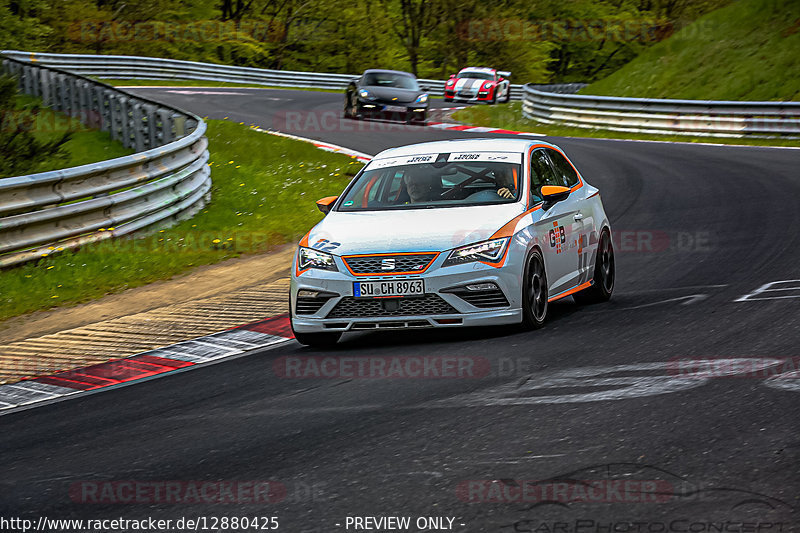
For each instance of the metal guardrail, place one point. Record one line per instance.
(153, 68)
(165, 181)
(663, 116)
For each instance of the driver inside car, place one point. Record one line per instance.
(506, 181)
(421, 186)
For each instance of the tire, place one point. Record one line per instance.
(318, 340)
(534, 292)
(315, 340)
(350, 109)
(347, 106)
(508, 95)
(494, 97)
(604, 274)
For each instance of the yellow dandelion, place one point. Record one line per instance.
(238, 166)
(110, 229)
(54, 296)
(230, 162)
(58, 285)
(51, 266)
(229, 239)
(51, 247)
(225, 118)
(194, 225)
(216, 241)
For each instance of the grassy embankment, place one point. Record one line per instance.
(745, 51)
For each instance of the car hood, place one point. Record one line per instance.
(410, 230)
(403, 96)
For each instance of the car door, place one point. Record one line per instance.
(585, 221)
(556, 227)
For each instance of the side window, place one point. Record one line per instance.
(562, 166)
(541, 174)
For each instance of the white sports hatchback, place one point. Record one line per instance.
(450, 234)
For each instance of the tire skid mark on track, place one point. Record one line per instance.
(236, 341)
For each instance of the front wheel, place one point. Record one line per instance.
(318, 340)
(534, 292)
(604, 274)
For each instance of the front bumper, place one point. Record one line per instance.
(392, 111)
(481, 96)
(449, 309)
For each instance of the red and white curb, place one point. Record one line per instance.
(478, 129)
(233, 342)
(328, 147)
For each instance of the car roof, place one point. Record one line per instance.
(463, 145)
(385, 71)
(479, 69)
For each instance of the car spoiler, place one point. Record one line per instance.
(504, 73)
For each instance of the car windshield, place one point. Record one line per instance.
(435, 180)
(389, 79)
(476, 75)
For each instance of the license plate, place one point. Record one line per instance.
(394, 109)
(373, 289)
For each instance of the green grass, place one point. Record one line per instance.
(749, 50)
(509, 116)
(264, 194)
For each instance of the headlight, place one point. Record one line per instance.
(421, 99)
(490, 251)
(363, 93)
(310, 258)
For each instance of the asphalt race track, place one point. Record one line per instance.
(594, 400)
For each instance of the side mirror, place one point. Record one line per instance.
(326, 203)
(552, 194)
(501, 78)
(452, 76)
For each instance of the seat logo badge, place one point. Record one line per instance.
(387, 264)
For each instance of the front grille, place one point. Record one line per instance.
(389, 264)
(430, 304)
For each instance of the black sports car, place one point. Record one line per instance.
(388, 94)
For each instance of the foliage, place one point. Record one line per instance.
(22, 148)
(432, 38)
(746, 51)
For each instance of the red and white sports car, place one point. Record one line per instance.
(476, 84)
